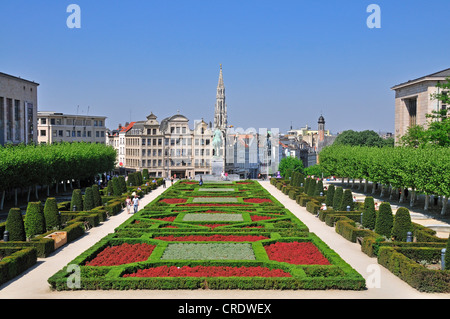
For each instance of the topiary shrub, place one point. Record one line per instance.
(34, 220)
(369, 216)
(312, 187)
(51, 214)
(347, 200)
(123, 184)
(110, 189)
(77, 200)
(447, 255)
(402, 224)
(307, 181)
(337, 198)
(330, 195)
(117, 189)
(97, 196)
(145, 175)
(319, 188)
(88, 202)
(15, 225)
(385, 220)
(131, 180)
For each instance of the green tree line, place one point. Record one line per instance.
(424, 170)
(26, 166)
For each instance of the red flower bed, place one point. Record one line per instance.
(257, 200)
(296, 253)
(209, 271)
(212, 238)
(189, 183)
(174, 200)
(256, 218)
(123, 254)
(211, 204)
(169, 226)
(166, 219)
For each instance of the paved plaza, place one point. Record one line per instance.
(33, 283)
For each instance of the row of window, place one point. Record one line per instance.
(78, 122)
(69, 133)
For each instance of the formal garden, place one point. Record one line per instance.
(221, 235)
(409, 250)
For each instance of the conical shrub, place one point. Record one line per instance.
(447, 255)
(34, 220)
(96, 195)
(123, 184)
(312, 187)
(347, 200)
(15, 225)
(306, 185)
(369, 216)
(385, 220)
(110, 188)
(402, 224)
(330, 195)
(319, 188)
(88, 202)
(77, 200)
(337, 198)
(51, 214)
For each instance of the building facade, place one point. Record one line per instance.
(18, 110)
(413, 101)
(56, 127)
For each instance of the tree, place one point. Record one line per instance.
(76, 204)
(385, 220)
(369, 214)
(123, 184)
(51, 214)
(312, 187)
(117, 188)
(34, 220)
(402, 224)
(110, 188)
(339, 192)
(315, 170)
(145, 175)
(88, 202)
(319, 188)
(330, 195)
(15, 225)
(97, 196)
(347, 201)
(290, 163)
(363, 138)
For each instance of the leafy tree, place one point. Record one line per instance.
(385, 220)
(293, 164)
(315, 170)
(363, 138)
(77, 200)
(369, 214)
(51, 214)
(88, 202)
(34, 220)
(15, 225)
(330, 195)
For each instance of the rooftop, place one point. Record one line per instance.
(441, 75)
(17, 78)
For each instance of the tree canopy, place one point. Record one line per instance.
(293, 164)
(363, 138)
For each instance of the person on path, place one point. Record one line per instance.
(136, 203)
(128, 203)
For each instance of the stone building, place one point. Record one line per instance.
(55, 127)
(18, 110)
(413, 100)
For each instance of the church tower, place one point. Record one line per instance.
(321, 128)
(220, 114)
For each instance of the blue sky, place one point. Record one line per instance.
(284, 62)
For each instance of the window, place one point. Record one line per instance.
(78, 133)
(178, 130)
(53, 133)
(97, 134)
(73, 133)
(89, 133)
(154, 131)
(184, 130)
(159, 141)
(43, 121)
(67, 133)
(60, 133)
(411, 106)
(52, 121)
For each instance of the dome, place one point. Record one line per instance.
(321, 120)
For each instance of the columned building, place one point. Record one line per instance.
(413, 100)
(18, 110)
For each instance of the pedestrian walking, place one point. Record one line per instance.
(128, 203)
(136, 203)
